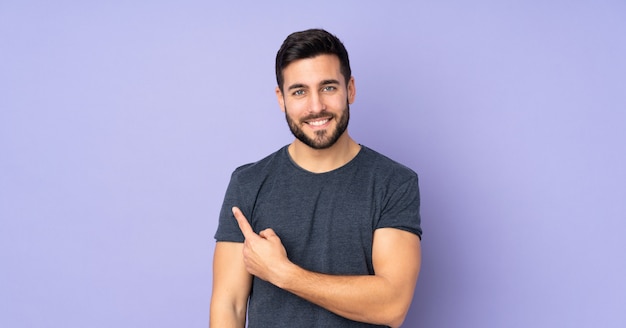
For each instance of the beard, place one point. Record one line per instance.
(322, 139)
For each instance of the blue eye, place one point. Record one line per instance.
(298, 92)
(329, 88)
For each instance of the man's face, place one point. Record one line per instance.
(316, 100)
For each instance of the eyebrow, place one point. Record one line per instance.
(300, 85)
(327, 82)
(296, 86)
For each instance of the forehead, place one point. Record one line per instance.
(312, 70)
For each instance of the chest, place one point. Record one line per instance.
(326, 224)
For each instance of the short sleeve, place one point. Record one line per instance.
(401, 209)
(227, 229)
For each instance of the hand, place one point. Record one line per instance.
(263, 254)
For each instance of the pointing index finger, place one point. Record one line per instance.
(243, 223)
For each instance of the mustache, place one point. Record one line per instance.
(316, 116)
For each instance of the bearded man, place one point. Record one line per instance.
(324, 232)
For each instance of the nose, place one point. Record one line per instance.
(317, 103)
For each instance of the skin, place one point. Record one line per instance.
(314, 100)
(231, 286)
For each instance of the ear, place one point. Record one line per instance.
(351, 90)
(281, 99)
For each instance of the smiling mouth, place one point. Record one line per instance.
(318, 122)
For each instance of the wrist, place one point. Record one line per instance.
(285, 275)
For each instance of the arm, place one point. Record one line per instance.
(383, 298)
(231, 286)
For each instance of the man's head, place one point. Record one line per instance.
(315, 87)
(309, 44)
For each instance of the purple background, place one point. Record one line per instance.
(121, 121)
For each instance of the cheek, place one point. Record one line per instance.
(295, 107)
(336, 103)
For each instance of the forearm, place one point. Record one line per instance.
(366, 298)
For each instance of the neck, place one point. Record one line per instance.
(324, 160)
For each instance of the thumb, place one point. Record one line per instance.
(268, 233)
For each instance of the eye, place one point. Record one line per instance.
(329, 88)
(299, 92)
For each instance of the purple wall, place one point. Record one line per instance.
(120, 123)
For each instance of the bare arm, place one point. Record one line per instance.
(231, 286)
(383, 298)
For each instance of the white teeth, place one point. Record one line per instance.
(318, 123)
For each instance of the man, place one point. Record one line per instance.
(324, 232)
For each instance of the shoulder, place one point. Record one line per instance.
(384, 166)
(257, 170)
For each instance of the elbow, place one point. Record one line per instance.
(397, 313)
(394, 316)
(397, 320)
(396, 324)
